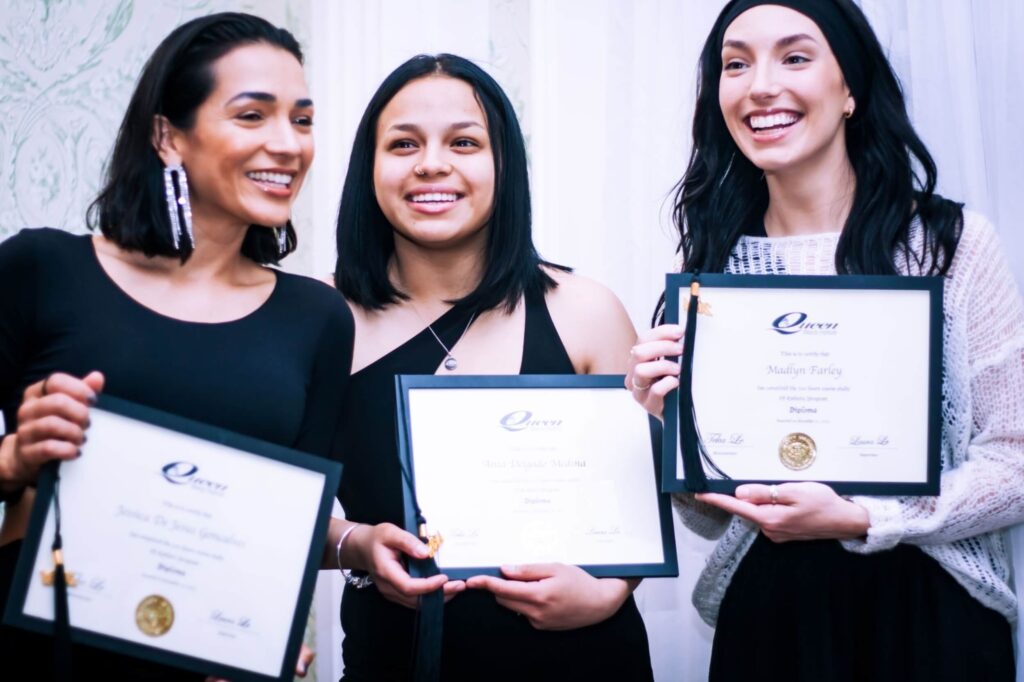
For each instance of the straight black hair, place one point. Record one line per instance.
(131, 209)
(366, 239)
(723, 194)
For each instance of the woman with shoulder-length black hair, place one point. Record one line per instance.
(805, 162)
(172, 306)
(437, 262)
(366, 245)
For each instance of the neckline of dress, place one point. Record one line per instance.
(444, 321)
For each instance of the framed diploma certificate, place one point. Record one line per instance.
(185, 544)
(534, 468)
(807, 378)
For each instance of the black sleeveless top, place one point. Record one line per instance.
(482, 640)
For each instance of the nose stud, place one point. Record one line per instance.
(419, 170)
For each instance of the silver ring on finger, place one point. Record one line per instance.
(773, 490)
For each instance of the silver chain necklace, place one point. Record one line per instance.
(450, 363)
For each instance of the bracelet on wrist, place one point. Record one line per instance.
(357, 579)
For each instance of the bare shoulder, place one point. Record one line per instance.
(592, 323)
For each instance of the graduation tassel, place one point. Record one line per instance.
(429, 624)
(62, 667)
(429, 627)
(694, 453)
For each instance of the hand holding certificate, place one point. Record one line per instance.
(829, 379)
(532, 469)
(170, 539)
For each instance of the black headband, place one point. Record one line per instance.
(834, 24)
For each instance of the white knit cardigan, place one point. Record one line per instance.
(982, 485)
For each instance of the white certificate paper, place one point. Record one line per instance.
(153, 518)
(814, 384)
(528, 474)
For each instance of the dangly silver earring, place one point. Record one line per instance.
(282, 239)
(176, 193)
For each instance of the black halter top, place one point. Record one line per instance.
(482, 640)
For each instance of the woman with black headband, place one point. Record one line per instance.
(805, 162)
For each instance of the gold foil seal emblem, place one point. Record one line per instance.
(797, 451)
(154, 615)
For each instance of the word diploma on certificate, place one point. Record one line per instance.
(531, 469)
(183, 543)
(805, 378)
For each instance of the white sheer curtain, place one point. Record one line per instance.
(604, 89)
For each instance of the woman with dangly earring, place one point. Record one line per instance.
(172, 305)
(436, 260)
(804, 162)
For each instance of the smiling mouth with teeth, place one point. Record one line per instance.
(434, 198)
(268, 178)
(772, 121)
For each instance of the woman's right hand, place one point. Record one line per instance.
(378, 550)
(651, 375)
(52, 420)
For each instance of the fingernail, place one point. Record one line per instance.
(304, 667)
(78, 454)
(91, 399)
(84, 438)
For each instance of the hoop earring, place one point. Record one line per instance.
(282, 239)
(848, 114)
(179, 209)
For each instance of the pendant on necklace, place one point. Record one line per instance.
(450, 363)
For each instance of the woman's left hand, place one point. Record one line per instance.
(801, 511)
(555, 596)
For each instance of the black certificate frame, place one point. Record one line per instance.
(675, 283)
(331, 472)
(668, 567)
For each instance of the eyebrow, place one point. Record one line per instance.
(781, 42)
(412, 127)
(267, 97)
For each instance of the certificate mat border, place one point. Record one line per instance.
(331, 472)
(667, 568)
(676, 282)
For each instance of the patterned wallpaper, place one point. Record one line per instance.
(67, 70)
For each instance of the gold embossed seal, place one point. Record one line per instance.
(154, 615)
(797, 451)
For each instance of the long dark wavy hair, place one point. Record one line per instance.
(131, 209)
(366, 239)
(722, 193)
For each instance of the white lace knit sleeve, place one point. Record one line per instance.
(982, 484)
